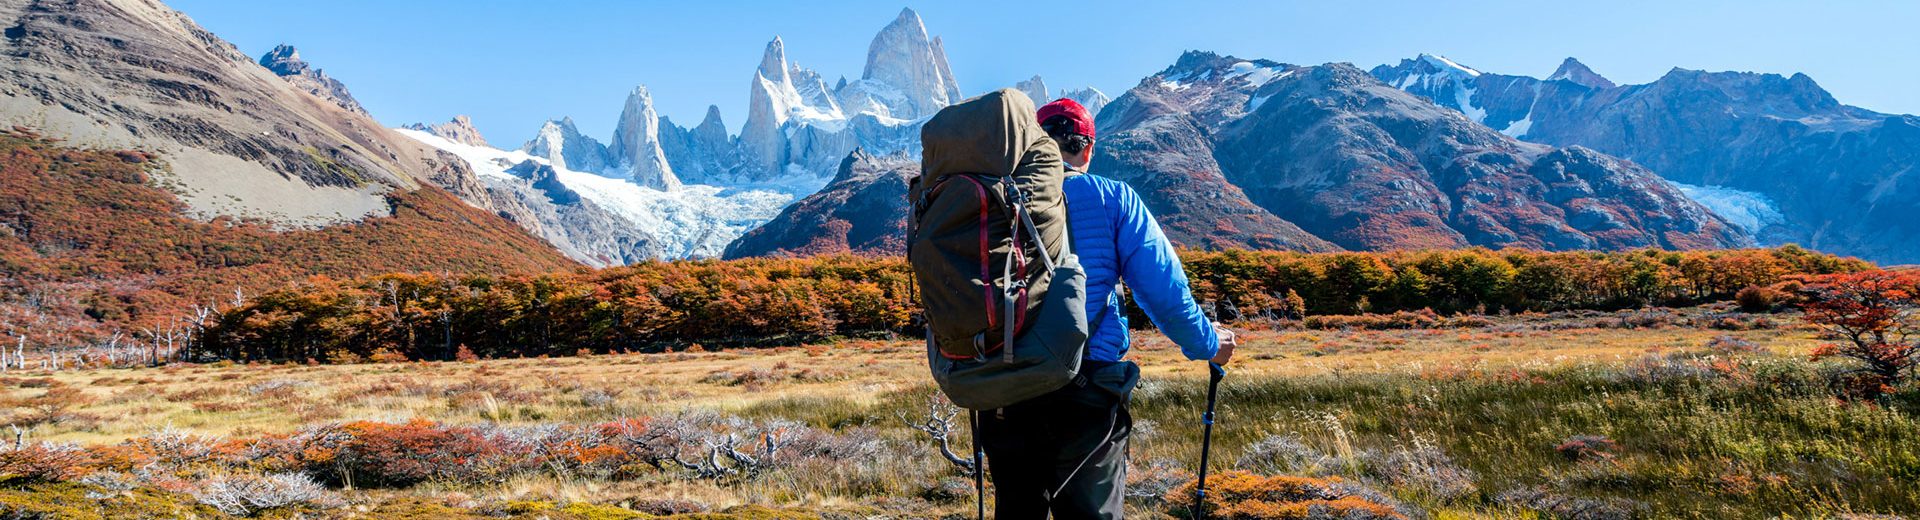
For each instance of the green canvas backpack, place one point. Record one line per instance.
(1003, 295)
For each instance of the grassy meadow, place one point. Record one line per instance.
(1691, 413)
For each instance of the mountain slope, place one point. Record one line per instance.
(863, 210)
(1367, 166)
(104, 247)
(1837, 176)
(243, 140)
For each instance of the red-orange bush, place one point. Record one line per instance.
(1876, 315)
(1240, 495)
(366, 453)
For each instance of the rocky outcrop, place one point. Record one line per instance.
(636, 144)
(863, 210)
(561, 144)
(1573, 71)
(543, 177)
(285, 62)
(1834, 175)
(459, 130)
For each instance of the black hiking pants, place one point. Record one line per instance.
(1064, 452)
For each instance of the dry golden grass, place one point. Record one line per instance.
(1345, 392)
(250, 399)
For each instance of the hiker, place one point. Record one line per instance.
(1066, 452)
(1018, 258)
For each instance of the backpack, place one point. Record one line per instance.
(1003, 296)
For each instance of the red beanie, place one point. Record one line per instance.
(1082, 121)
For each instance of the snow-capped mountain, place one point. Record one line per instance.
(1777, 155)
(622, 221)
(798, 132)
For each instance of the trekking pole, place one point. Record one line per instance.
(979, 470)
(1214, 374)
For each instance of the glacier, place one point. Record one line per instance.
(694, 220)
(1751, 211)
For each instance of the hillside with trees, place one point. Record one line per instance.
(93, 250)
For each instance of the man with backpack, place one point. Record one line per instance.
(1049, 392)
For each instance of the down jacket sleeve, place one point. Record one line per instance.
(1152, 270)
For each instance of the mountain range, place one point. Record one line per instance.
(1228, 152)
(1777, 154)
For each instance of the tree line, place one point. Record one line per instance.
(655, 306)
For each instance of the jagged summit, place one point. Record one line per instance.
(1442, 64)
(1089, 97)
(561, 144)
(636, 143)
(459, 130)
(284, 60)
(1035, 88)
(1578, 73)
(904, 57)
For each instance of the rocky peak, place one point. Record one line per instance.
(284, 61)
(636, 143)
(712, 122)
(1426, 72)
(1578, 73)
(1437, 63)
(903, 57)
(773, 62)
(459, 130)
(1089, 97)
(561, 144)
(1036, 89)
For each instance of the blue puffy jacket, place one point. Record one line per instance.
(1117, 239)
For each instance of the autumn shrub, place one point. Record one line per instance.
(43, 462)
(375, 454)
(1240, 495)
(1875, 316)
(1755, 298)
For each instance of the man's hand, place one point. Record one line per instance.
(1227, 342)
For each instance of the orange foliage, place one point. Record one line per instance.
(1876, 314)
(114, 251)
(1241, 495)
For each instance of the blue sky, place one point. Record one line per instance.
(513, 64)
